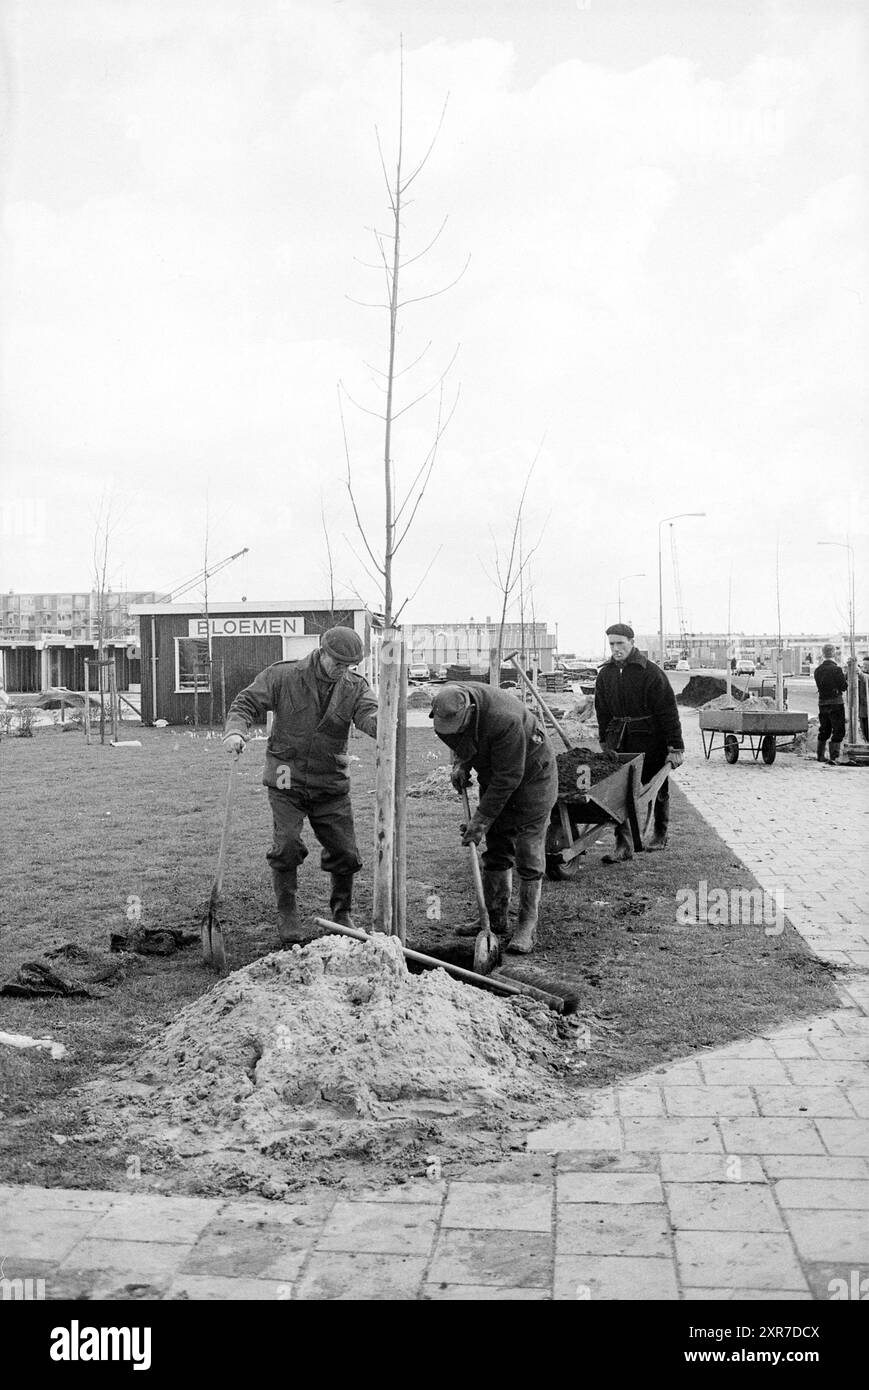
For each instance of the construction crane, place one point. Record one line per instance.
(199, 577)
(677, 586)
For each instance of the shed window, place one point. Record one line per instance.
(192, 671)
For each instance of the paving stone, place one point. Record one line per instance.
(709, 1100)
(602, 1133)
(44, 1236)
(595, 1103)
(24, 1199)
(346, 1276)
(807, 1166)
(766, 1136)
(374, 1228)
(725, 1206)
(482, 1293)
(675, 1074)
(786, 1048)
(214, 1287)
(737, 1259)
(425, 1190)
(641, 1100)
(536, 1167)
(839, 1282)
(671, 1135)
(748, 1049)
(826, 1073)
(845, 1049)
(747, 1295)
(847, 1194)
(830, 1235)
(599, 1161)
(244, 1245)
(147, 1217)
(506, 1258)
(623, 1278)
(858, 1097)
(627, 1188)
(803, 1100)
(845, 1136)
(498, 1206)
(609, 1228)
(711, 1168)
(138, 1260)
(737, 1071)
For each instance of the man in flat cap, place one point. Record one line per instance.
(506, 744)
(636, 713)
(315, 701)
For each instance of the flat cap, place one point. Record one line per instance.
(449, 708)
(343, 644)
(621, 630)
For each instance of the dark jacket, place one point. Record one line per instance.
(507, 745)
(638, 690)
(310, 743)
(861, 693)
(831, 681)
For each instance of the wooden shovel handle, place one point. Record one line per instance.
(475, 869)
(227, 822)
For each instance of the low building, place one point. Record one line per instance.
(45, 639)
(189, 658)
(801, 651)
(469, 644)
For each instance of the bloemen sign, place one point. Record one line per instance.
(261, 625)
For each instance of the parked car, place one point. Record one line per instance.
(745, 666)
(418, 672)
(683, 665)
(669, 663)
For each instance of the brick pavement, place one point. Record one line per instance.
(742, 1173)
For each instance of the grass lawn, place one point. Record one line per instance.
(89, 830)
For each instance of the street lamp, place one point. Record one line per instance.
(677, 517)
(641, 575)
(852, 660)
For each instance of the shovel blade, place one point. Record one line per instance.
(487, 952)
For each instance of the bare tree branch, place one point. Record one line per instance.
(419, 168)
(350, 484)
(376, 582)
(440, 381)
(418, 299)
(419, 255)
(439, 431)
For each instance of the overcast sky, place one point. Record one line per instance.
(664, 204)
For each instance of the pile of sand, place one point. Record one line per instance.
(436, 784)
(701, 689)
(600, 762)
(334, 1053)
(752, 702)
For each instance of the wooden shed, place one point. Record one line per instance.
(188, 658)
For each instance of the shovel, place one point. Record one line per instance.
(211, 932)
(487, 947)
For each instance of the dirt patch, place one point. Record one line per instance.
(601, 763)
(435, 784)
(419, 699)
(330, 1058)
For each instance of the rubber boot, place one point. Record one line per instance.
(497, 892)
(290, 930)
(521, 943)
(662, 820)
(835, 749)
(820, 753)
(624, 846)
(341, 900)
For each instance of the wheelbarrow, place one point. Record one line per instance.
(760, 726)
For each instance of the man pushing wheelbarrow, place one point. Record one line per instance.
(636, 713)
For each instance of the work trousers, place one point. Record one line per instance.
(831, 723)
(331, 821)
(517, 837)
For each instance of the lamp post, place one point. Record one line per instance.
(852, 642)
(641, 575)
(677, 517)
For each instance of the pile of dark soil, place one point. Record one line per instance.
(600, 762)
(418, 699)
(701, 689)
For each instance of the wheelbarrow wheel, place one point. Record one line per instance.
(559, 871)
(767, 748)
(731, 748)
